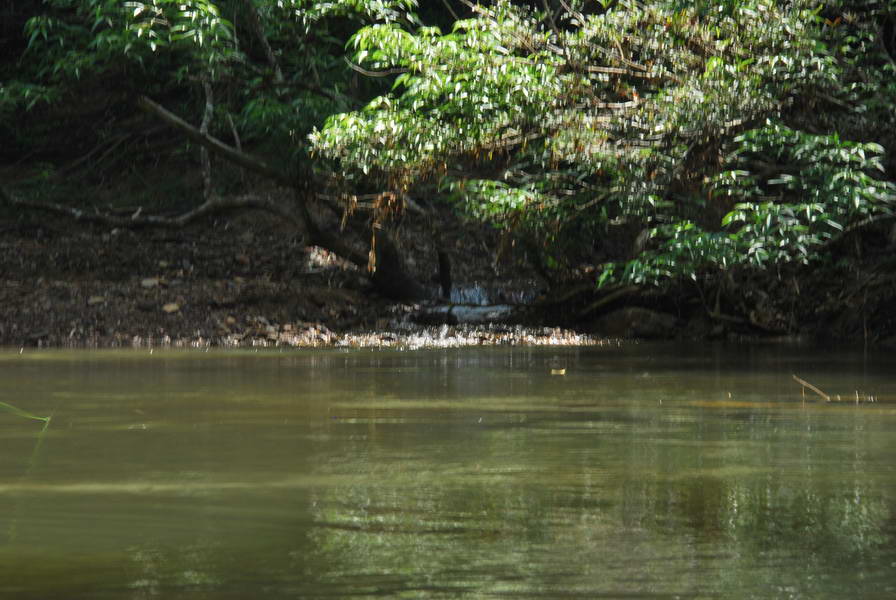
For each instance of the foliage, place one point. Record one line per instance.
(654, 140)
(795, 193)
(692, 121)
(168, 47)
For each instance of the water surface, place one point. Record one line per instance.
(642, 472)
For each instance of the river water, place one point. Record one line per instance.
(643, 471)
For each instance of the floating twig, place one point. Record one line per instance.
(806, 384)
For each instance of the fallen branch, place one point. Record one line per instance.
(301, 219)
(806, 384)
(296, 212)
(213, 206)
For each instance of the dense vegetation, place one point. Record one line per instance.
(667, 145)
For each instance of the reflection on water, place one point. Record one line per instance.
(644, 471)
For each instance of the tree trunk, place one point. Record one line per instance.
(390, 276)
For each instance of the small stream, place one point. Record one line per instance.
(633, 471)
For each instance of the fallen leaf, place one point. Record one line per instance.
(171, 307)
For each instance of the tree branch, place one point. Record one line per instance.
(203, 130)
(215, 145)
(299, 215)
(384, 73)
(552, 21)
(258, 30)
(450, 10)
(859, 226)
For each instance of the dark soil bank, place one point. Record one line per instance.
(249, 281)
(245, 281)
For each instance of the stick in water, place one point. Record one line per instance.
(806, 384)
(21, 413)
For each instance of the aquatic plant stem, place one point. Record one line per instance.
(14, 521)
(21, 413)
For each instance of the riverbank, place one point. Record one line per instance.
(248, 281)
(240, 282)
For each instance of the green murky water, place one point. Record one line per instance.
(643, 472)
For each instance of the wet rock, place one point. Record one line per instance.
(635, 322)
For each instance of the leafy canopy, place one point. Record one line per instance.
(688, 121)
(166, 47)
(717, 135)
